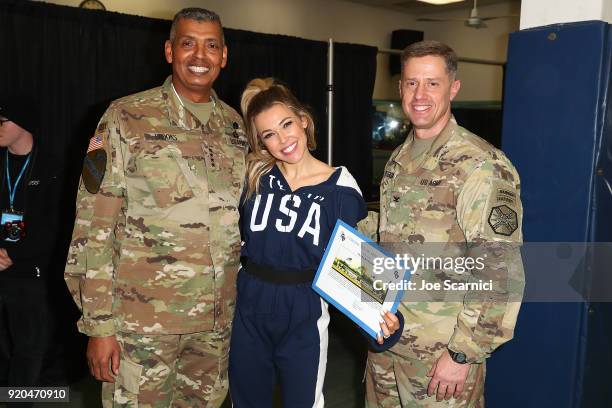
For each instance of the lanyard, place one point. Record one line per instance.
(13, 188)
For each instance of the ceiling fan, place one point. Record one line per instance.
(474, 20)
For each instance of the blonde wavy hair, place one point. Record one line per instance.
(260, 95)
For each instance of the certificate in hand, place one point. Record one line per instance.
(348, 279)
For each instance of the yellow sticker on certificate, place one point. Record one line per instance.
(349, 279)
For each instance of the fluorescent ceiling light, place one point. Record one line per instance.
(439, 2)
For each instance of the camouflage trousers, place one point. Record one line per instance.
(186, 370)
(398, 377)
(394, 381)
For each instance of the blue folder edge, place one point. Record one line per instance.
(330, 300)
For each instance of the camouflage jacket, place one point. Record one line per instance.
(156, 249)
(462, 195)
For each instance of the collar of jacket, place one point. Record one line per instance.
(430, 159)
(181, 117)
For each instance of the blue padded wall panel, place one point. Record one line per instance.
(597, 391)
(537, 368)
(555, 86)
(551, 110)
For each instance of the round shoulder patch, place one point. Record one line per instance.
(503, 220)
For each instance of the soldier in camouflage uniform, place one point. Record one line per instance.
(155, 248)
(447, 186)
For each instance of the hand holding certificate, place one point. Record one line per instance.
(347, 279)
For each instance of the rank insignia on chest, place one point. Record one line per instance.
(389, 174)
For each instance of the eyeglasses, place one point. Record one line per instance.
(2, 121)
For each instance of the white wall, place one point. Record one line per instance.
(348, 22)
(607, 11)
(536, 13)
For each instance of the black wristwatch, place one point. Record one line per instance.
(458, 358)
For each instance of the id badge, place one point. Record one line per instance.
(13, 228)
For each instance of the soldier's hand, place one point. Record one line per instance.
(103, 353)
(389, 325)
(448, 377)
(5, 260)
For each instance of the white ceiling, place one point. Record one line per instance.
(418, 8)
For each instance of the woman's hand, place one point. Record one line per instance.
(389, 324)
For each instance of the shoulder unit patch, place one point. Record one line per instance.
(503, 220)
(94, 165)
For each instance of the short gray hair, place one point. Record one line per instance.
(198, 14)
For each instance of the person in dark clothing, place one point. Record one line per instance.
(29, 192)
(289, 208)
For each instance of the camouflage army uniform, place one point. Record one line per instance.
(463, 193)
(155, 253)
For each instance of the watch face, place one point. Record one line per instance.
(459, 358)
(92, 4)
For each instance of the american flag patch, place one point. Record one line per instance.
(95, 143)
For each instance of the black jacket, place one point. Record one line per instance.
(33, 255)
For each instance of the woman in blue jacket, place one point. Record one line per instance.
(288, 211)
